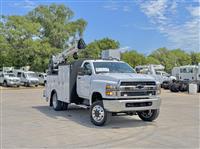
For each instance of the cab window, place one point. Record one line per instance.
(19, 74)
(87, 66)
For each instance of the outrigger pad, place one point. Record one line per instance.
(81, 44)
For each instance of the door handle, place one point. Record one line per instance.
(79, 77)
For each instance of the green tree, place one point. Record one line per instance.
(151, 60)
(195, 58)
(133, 58)
(94, 49)
(56, 23)
(181, 57)
(171, 58)
(33, 38)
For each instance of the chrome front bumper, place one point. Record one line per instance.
(116, 105)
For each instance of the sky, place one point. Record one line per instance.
(142, 25)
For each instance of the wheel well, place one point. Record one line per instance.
(52, 92)
(96, 96)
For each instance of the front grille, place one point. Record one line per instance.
(144, 93)
(135, 83)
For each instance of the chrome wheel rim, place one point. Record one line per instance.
(147, 114)
(98, 113)
(54, 100)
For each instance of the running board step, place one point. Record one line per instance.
(84, 106)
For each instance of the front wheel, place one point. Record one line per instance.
(5, 84)
(98, 114)
(26, 84)
(148, 115)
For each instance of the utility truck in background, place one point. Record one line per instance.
(105, 86)
(184, 76)
(27, 78)
(7, 77)
(156, 71)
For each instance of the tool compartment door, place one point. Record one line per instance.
(63, 83)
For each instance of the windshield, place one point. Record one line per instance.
(112, 67)
(31, 75)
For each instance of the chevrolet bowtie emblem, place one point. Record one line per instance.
(139, 86)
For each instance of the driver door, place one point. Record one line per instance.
(83, 86)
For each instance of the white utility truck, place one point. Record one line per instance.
(7, 77)
(184, 76)
(27, 78)
(104, 86)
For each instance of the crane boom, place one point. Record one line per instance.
(61, 57)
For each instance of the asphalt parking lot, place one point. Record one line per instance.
(28, 122)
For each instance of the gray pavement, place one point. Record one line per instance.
(28, 122)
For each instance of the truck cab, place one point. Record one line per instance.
(105, 87)
(42, 78)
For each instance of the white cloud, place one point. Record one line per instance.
(155, 9)
(29, 4)
(116, 6)
(162, 14)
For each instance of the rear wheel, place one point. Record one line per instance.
(148, 115)
(183, 87)
(98, 114)
(57, 105)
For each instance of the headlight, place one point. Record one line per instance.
(111, 90)
(158, 88)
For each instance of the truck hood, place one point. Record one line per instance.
(126, 77)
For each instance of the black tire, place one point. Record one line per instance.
(36, 85)
(97, 111)
(174, 88)
(149, 115)
(183, 87)
(17, 85)
(57, 105)
(5, 84)
(64, 106)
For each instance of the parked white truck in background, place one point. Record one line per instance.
(184, 76)
(27, 78)
(156, 71)
(9, 79)
(103, 86)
